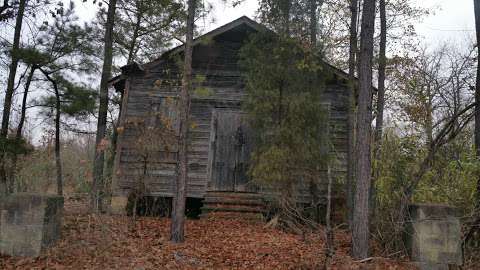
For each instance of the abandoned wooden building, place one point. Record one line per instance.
(220, 143)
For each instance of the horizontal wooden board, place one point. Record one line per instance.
(218, 83)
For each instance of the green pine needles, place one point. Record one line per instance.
(285, 84)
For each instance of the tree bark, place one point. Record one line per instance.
(360, 232)
(114, 140)
(178, 214)
(429, 117)
(286, 8)
(18, 134)
(329, 241)
(314, 5)
(313, 23)
(476, 5)
(98, 163)
(58, 159)
(352, 63)
(130, 60)
(131, 49)
(7, 105)
(382, 64)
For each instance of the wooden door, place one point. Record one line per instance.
(231, 148)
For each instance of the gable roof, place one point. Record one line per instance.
(242, 21)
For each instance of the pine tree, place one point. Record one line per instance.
(7, 105)
(360, 231)
(352, 63)
(62, 46)
(70, 99)
(145, 28)
(382, 64)
(177, 231)
(285, 107)
(477, 91)
(98, 163)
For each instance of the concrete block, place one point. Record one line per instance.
(433, 236)
(118, 205)
(29, 223)
(431, 266)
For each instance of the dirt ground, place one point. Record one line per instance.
(216, 242)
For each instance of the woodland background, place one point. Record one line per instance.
(59, 132)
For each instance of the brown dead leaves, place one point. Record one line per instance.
(217, 242)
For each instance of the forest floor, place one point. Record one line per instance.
(214, 242)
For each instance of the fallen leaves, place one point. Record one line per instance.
(216, 242)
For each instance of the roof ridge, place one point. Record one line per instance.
(215, 32)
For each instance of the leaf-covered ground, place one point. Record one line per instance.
(216, 242)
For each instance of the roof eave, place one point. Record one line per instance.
(118, 82)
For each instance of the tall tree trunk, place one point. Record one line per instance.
(360, 230)
(429, 117)
(110, 163)
(329, 234)
(352, 63)
(18, 134)
(98, 163)
(114, 141)
(313, 23)
(286, 9)
(178, 215)
(382, 64)
(7, 105)
(476, 5)
(314, 6)
(58, 159)
(114, 138)
(131, 49)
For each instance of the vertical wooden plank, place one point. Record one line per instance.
(223, 158)
(211, 149)
(233, 145)
(245, 147)
(222, 176)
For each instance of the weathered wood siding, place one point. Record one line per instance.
(219, 85)
(336, 97)
(335, 100)
(230, 147)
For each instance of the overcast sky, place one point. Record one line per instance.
(451, 20)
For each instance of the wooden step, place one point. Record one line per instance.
(230, 208)
(228, 200)
(239, 202)
(240, 195)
